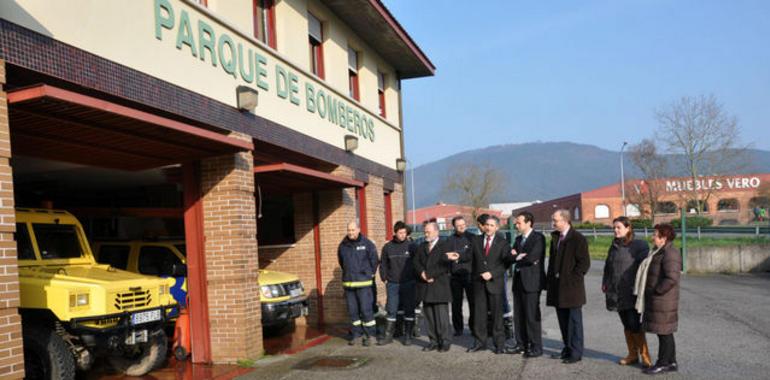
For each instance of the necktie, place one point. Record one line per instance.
(561, 239)
(523, 240)
(486, 246)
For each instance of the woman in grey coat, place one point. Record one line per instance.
(623, 259)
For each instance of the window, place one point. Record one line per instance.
(666, 207)
(759, 202)
(361, 209)
(114, 255)
(728, 204)
(204, 3)
(276, 226)
(381, 92)
(157, 261)
(264, 22)
(24, 250)
(57, 241)
(315, 37)
(353, 74)
(576, 213)
(601, 212)
(633, 211)
(692, 206)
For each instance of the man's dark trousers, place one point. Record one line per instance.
(483, 302)
(359, 302)
(437, 316)
(526, 315)
(571, 326)
(461, 283)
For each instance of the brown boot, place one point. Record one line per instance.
(644, 352)
(633, 353)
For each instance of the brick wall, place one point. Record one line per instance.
(231, 256)
(11, 352)
(397, 203)
(375, 221)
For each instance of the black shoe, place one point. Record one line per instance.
(366, 342)
(444, 347)
(430, 347)
(499, 350)
(352, 341)
(571, 360)
(561, 355)
(656, 369)
(458, 332)
(517, 350)
(477, 347)
(533, 354)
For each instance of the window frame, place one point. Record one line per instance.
(264, 21)
(609, 211)
(354, 87)
(316, 49)
(381, 80)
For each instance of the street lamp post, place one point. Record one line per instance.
(411, 174)
(623, 180)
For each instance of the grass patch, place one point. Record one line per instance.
(599, 246)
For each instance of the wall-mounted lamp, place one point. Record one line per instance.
(247, 98)
(351, 143)
(400, 165)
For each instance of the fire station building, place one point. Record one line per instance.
(729, 200)
(253, 129)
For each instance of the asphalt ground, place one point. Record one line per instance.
(724, 333)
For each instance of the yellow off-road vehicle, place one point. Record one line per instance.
(282, 294)
(74, 310)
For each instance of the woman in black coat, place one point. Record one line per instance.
(623, 259)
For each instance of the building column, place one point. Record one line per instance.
(229, 223)
(11, 351)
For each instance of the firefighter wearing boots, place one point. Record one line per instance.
(623, 259)
(358, 260)
(397, 271)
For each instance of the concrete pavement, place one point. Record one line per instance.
(724, 333)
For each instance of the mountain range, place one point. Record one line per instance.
(542, 170)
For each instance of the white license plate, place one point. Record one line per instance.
(145, 317)
(295, 292)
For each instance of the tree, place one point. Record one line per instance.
(647, 190)
(707, 137)
(473, 185)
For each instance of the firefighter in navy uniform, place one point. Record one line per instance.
(397, 271)
(358, 260)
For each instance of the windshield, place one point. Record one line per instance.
(57, 241)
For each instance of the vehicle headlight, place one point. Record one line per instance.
(78, 299)
(272, 291)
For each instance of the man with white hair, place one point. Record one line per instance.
(358, 258)
(433, 267)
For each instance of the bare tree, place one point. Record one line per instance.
(473, 185)
(646, 192)
(707, 137)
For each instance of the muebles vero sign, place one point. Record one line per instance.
(239, 59)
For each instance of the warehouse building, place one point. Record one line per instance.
(252, 129)
(729, 200)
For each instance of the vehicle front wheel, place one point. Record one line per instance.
(143, 358)
(46, 355)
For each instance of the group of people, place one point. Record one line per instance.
(640, 284)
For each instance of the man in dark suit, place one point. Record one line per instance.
(432, 264)
(568, 263)
(490, 255)
(460, 242)
(528, 256)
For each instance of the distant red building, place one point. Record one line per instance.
(443, 213)
(732, 201)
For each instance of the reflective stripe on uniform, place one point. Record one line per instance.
(358, 284)
(391, 319)
(357, 323)
(408, 319)
(370, 323)
(400, 312)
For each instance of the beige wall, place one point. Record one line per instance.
(124, 32)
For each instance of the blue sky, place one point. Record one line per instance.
(582, 71)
